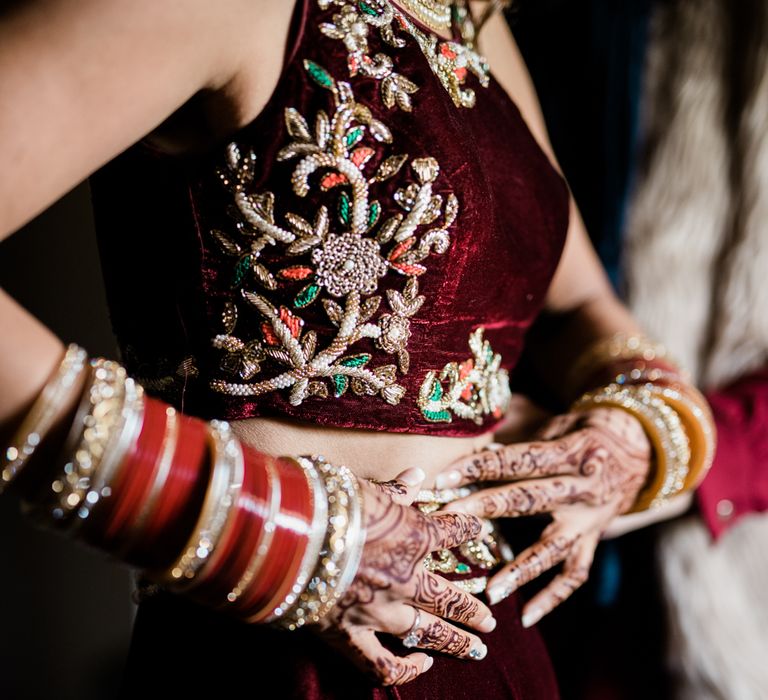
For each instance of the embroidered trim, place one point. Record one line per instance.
(340, 269)
(476, 388)
(450, 61)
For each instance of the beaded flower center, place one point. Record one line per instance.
(347, 263)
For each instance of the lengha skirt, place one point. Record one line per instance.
(183, 649)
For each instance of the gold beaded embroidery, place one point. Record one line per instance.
(450, 61)
(476, 388)
(339, 268)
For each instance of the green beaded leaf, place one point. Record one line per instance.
(367, 9)
(354, 136)
(437, 392)
(321, 76)
(306, 296)
(345, 208)
(437, 416)
(373, 214)
(241, 269)
(355, 360)
(462, 569)
(340, 384)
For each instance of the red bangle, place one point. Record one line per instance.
(180, 499)
(292, 532)
(134, 478)
(241, 538)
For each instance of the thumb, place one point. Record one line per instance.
(404, 488)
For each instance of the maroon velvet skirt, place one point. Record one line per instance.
(182, 648)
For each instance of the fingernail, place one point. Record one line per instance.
(478, 652)
(427, 664)
(487, 625)
(448, 479)
(497, 594)
(532, 617)
(412, 477)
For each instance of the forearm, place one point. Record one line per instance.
(29, 351)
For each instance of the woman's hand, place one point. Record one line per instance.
(392, 584)
(585, 469)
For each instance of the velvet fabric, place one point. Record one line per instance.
(167, 283)
(180, 649)
(168, 280)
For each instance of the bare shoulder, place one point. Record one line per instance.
(84, 79)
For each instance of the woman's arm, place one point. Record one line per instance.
(81, 80)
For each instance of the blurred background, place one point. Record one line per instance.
(65, 610)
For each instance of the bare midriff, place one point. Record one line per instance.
(369, 454)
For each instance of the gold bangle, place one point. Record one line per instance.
(663, 428)
(699, 425)
(41, 416)
(108, 419)
(225, 481)
(617, 347)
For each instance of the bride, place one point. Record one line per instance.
(326, 228)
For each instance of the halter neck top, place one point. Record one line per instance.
(368, 252)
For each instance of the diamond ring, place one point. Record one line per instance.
(411, 637)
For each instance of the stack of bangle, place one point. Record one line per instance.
(39, 420)
(638, 377)
(265, 539)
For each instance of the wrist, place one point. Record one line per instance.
(642, 380)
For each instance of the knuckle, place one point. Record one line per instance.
(580, 575)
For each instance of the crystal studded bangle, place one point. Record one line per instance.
(42, 414)
(106, 424)
(664, 429)
(341, 549)
(226, 479)
(696, 415)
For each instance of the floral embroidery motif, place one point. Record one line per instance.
(339, 268)
(476, 388)
(450, 61)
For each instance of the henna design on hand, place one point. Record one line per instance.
(440, 597)
(391, 570)
(585, 469)
(440, 636)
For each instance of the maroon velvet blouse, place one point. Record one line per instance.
(368, 252)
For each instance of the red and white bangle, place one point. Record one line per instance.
(266, 539)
